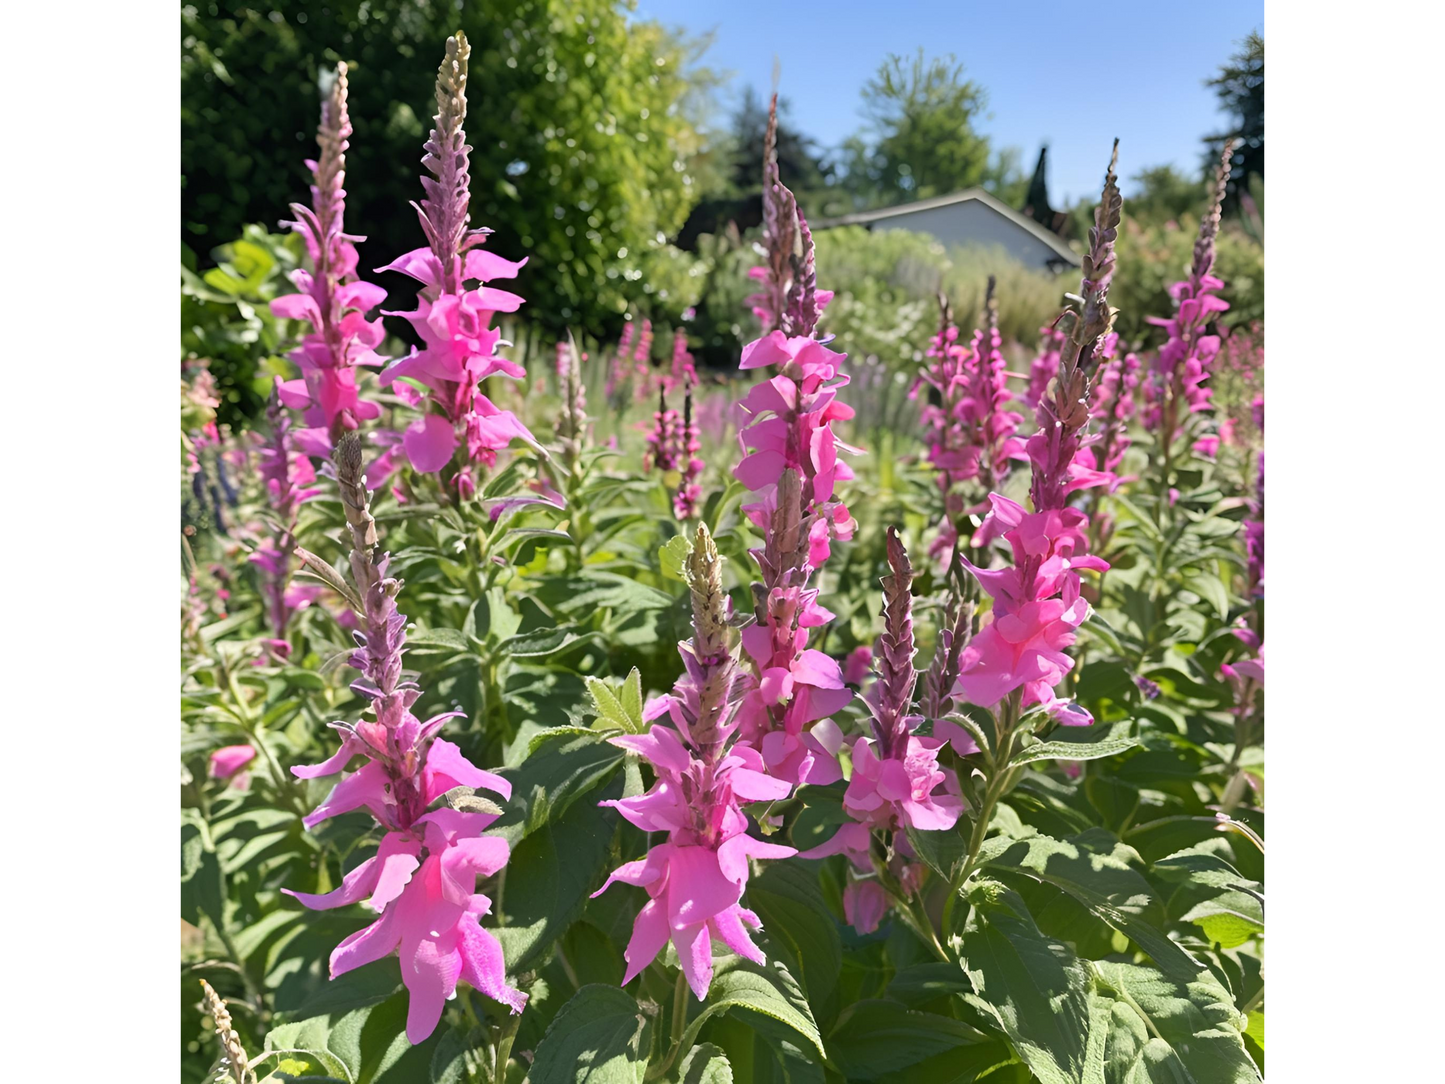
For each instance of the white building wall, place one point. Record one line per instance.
(973, 222)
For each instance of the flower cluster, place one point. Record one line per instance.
(572, 425)
(791, 465)
(1112, 405)
(1044, 367)
(422, 880)
(662, 441)
(684, 368)
(642, 362)
(788, 299)
(617, 371)
(695, 880)
(331, 298)
(1036, 601)
(289, 479)
(1254, 525)
(1183, 362)
(689, 463)
(895, 772)
(455, 323)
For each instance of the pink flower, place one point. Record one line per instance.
(422, 881)
(864, 905)
(331, 299)
(230, 759)
(1184, 362)
(459, 343)
(897, 791)
(855, 669)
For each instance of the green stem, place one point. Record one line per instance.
(285, 785)
(508, 1034)
(679, 1025)
(999, 782)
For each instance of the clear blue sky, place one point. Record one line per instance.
(1072, 75)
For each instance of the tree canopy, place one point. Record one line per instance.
(582, 125)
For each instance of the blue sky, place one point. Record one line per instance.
(1051, 73)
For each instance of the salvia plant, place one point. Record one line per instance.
(693, 741)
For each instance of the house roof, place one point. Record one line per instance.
(1048, 237)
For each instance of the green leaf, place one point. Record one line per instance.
(1068, 750)
(562, 766)
(1214, 895)
(367, 1045)
(1159, 1030)
(1212, 590)
(1095, 868)
(542, 643)
(877, 1037)
(941, 851)
(787, 898)
(769, 989)
(203, 885)
(600, 1036)
(1033, 985)
(549, 877)
(620, 709)
(672, 555)
(704, 1064)
(919, 983)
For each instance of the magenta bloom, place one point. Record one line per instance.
(331, 299)
(1185, 360)
(791, 464)
(864, 905)
(696, 879)
(971, 432)
(662, 440)
(454, 322)
(857, 665)
(422, 881)
(895, 791)
(230, 759)
(689, 462)
(1036, 602)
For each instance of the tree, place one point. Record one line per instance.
(1240, 87)
(920, 140)
(582, 126)
(1164, 194)
(801, 165)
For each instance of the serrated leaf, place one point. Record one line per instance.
(1067, 750)
(618, 707)
(600, 1036)
(672, 555)
(549, 878)
(704, 1064)
(1033, 985)
(941, 851)
(877, 1037)
(787, 898)
(1095, 869)
(768, 989)
(543, 643)
(563, 765)
(1157, 1030)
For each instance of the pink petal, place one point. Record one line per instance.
(430, 443)
(649, 933)
(483, 966)
(447, 768)
(367, 946)
(430, 972)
